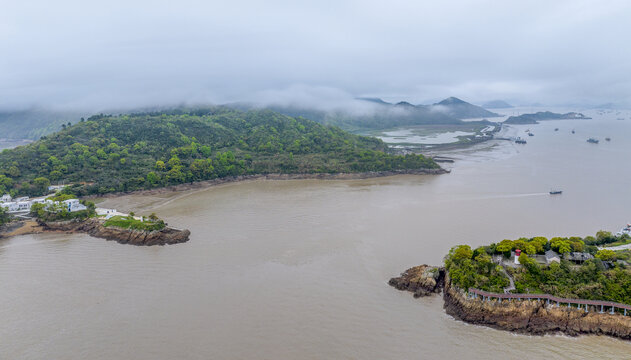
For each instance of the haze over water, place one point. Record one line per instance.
(299, 269)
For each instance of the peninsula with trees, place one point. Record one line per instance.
(106, 153)
(536, 285)
(63, 212)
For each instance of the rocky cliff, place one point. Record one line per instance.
(94, 227)
(422, 280)
(526, 317)
(534, 317)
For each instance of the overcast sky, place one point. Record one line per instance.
(106, 54)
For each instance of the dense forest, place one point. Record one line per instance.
(607, 276)
(138, 151)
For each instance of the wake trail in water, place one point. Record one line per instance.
(506, 196)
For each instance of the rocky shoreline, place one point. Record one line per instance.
(234, 179)
(422, 280)
(523, 317)
(95, 228)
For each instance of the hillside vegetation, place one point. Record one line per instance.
(139, 151)
(606, 276)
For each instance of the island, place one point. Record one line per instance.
(568, 285)
(542, 116)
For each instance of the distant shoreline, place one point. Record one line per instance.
(235, 179)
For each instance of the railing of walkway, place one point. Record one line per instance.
(474, 293)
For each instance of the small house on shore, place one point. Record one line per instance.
(552, 256)
(578, 257)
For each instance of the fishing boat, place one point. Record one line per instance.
(592, 140)
(625, 231)
(556, 129)
(573, 131)
(608, 139)
(556, 192)
(520, 141)
(531, 134)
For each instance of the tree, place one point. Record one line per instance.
(504, 246)
(530, 249)
(41, 185)
(152, 178)
(606, 255)
(462, 252)
(602, 236)
(564, 247)
(4, 216)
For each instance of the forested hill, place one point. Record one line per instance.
(139, 151)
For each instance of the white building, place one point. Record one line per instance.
(74, 205)
(10, 206)
(24, 205)
(108, 213)
(6, 198)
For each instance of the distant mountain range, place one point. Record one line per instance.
(542, 116)
(380, 114)
(497, 104)
(364, 114)
(34, 123)
(463, 110)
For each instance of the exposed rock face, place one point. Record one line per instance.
(94, 227)
(534, 317)
(422, 280)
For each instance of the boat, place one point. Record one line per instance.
(556, 192)
(573, 131)
(608, 139)
(531, 134)
(520, 141)
(556, 129)
(592, 140)
(624, 231)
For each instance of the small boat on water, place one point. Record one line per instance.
(607, 139)
(573, 131)
(625, 231)
(520, 141)
(556, 129)
(556, 192)
(592, 140)
(531, 134)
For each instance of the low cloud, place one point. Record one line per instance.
(129, 54)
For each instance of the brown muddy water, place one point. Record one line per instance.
(298, 269)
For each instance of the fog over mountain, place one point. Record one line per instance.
(123, 54)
